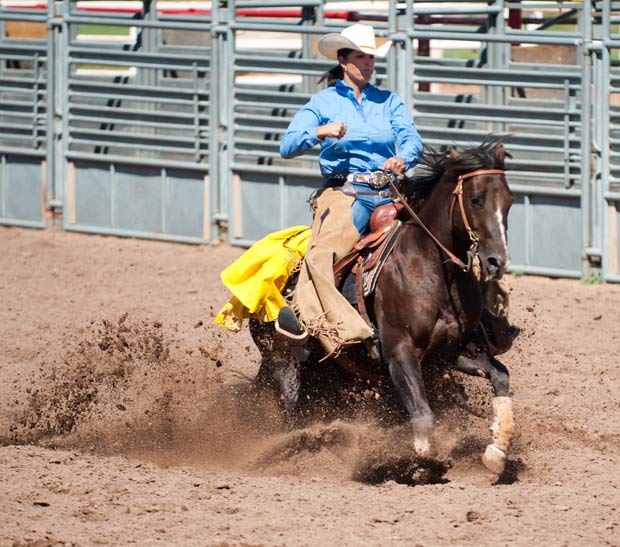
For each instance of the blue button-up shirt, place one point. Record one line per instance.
(379, 127)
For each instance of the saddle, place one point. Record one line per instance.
(370, 251)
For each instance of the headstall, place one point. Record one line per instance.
(457, 195)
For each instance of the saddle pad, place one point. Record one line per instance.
(369, 277)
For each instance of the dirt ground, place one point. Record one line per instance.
(126, 418)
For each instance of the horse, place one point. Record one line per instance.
(427, 302)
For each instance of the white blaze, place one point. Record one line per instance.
(502, 230)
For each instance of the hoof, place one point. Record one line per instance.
(494, 459)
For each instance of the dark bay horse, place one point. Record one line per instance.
(427, 301)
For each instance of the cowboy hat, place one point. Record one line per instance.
(359, 37)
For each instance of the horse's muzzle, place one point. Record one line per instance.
(493, 267)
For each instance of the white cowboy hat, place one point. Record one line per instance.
(359, 37)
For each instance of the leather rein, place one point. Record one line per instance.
(457, 196)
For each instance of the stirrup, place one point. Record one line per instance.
(288, 325)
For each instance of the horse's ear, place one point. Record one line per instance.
(499, 152)
(453, 153)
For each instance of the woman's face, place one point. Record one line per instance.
(358, 67)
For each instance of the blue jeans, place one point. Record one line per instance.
(363, 207)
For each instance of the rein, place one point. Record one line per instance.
(457, 195)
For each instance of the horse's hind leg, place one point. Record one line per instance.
(487, 366)
(282, 377)
(287, 374)
(407, 378)
(279, 371)
(263, 335)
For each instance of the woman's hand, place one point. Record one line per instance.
(335, 130)
(396, 165)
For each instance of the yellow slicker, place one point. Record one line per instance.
(259, 275)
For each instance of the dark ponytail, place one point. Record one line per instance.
(332, 76)
(336, 73)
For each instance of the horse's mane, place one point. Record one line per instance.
(434, 164)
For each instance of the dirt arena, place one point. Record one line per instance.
(125, 418)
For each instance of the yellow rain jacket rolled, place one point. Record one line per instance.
(256, 279)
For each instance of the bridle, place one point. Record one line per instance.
(457, 196)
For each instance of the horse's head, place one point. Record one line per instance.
(480, 204)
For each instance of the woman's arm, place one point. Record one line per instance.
(304, 131)
(407, 138)
(301, 134)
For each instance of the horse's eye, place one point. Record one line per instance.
(476, 201)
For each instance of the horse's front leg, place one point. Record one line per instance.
(406, 375)
(485, 365)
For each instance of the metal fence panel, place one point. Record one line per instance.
(519, 240)
(606, 52)
(90, 196)
(562, 218)
(22, 191)
(140, 110)
(23, 118)
(138, 201)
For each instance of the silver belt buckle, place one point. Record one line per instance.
(378, 179)
(357, 177)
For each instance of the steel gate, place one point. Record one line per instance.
(25, 178)
(171, 129)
